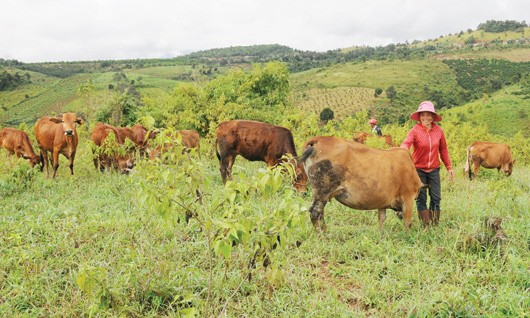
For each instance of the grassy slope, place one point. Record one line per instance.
(329, 87)
(44, 97)
(504, 113)
(54, 231)
(513, 55)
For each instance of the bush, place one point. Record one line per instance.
(327, 114)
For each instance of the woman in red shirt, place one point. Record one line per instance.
(428, 141)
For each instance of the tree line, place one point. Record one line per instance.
(502, 26)
(11, 81)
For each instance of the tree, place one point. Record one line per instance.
(391, 92)
(470, 40)
(327, 114)
(378, 92)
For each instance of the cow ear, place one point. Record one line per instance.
(56, 120)
(79, 120)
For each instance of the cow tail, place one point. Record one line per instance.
(217, 150)
(467, 169)
(307, 153)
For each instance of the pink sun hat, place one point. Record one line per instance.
(425, 106)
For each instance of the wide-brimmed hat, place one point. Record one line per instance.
(425, 106)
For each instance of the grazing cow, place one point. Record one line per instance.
(58, 135)
(17, 142)
(140, 136)
(189, 140)
(488, 155)
(109, 158)
(256, 141)
(362, 136)
(359, 177)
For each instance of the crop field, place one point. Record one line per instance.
(43, 98)
(344, 101)
(104, 244)
(514, 55)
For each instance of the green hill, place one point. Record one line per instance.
(504, 113)
(342, 80)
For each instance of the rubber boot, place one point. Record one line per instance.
(435, 217)
(425, 217)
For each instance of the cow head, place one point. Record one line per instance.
(69, 121)
(300, 178)
(360, 137)
(507, 168)
(35, 160)
(126, 163)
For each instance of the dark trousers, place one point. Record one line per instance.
(433, 180)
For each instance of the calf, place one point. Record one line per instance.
(488, 155)
(17, 142)
(109, 156)
(188, 138)
(362, 136)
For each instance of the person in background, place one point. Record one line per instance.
(375, 129)
(429, 145)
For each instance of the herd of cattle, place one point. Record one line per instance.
(334, 167)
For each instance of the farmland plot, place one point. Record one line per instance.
(344, 101)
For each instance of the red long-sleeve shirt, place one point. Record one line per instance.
(428, 146)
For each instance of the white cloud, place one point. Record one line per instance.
(62, 30)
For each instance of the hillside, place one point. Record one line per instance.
(505, 113)
(343, 80)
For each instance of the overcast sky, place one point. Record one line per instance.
(81, 30)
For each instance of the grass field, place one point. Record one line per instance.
(112, 245)
(513, 55)
(505, 113)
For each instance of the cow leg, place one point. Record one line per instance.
(44, 155)
(72, 157)
(226, 168)
(55, 162)
(96, 161)
(317, 215)
(476, 166)
(381, 217)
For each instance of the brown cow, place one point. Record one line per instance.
(488, 155)
(58, 135)
(139, 135)
(256, 141)
(17, 142)
(189, 139)
(359, 177)
(105, 161)
(362, 136)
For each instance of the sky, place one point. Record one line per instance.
(90, 30)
